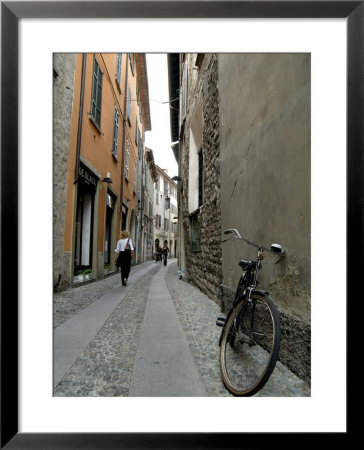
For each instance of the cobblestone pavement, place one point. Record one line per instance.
(105, 367)
(70, 302)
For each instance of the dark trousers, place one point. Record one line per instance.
(125, 264)
(165, 258)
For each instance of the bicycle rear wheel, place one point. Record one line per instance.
(250, 345)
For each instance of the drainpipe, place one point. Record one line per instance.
(80, 116)
(124, 137)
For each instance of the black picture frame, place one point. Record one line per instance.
(11, 12)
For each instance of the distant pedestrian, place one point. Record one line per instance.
(165, 252)
(124, 253)
(158, 254)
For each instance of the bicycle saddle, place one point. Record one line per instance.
(247, 264)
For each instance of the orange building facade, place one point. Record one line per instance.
(109, 117)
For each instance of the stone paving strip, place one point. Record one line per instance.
(198, 315)
(105, 367)
(164, 366)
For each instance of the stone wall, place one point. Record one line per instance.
(203, 269)
(63, 86)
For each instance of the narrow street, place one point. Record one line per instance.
(154, 337)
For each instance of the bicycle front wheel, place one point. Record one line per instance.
(250, 345)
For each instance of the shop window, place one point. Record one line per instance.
(84, 226)
(110, 202)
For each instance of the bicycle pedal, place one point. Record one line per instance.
(220, 322)
(258, 334)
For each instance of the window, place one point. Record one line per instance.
(116, 130)
(127, 160)
(132, 62)
(200, 178)
(129, 104)
(195, 235)
(157, 221)
(141, 148)
(136, 132)
(135, 177)
(199, 59)
(96, 94)
(157, 198)
(118, 68)
(140, 112)
(166, 224)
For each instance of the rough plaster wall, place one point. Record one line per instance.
(265, 182)
(64, 65)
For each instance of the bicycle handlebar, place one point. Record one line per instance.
(275, 248)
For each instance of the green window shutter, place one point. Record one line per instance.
(118, 68)
(99, 98)
(127, 160)
(116, 131)
(129, 103)
(135, 176)
(96, 98)
(94, 89)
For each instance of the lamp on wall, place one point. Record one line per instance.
(176, 178)
(107, 179)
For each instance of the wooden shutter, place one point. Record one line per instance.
(127, 160)
(96, 94)
(118, 68)
(135, 176)
(129, 104)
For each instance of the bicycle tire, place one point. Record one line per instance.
(250, 345)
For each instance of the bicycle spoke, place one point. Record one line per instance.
(249, 359)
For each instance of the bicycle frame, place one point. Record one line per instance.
(250, 278)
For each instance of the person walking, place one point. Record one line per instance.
(165, 252)
(124, 253)
(158, 254)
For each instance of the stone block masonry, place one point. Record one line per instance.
(204, 267)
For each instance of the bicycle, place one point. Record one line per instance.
(250, 337)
